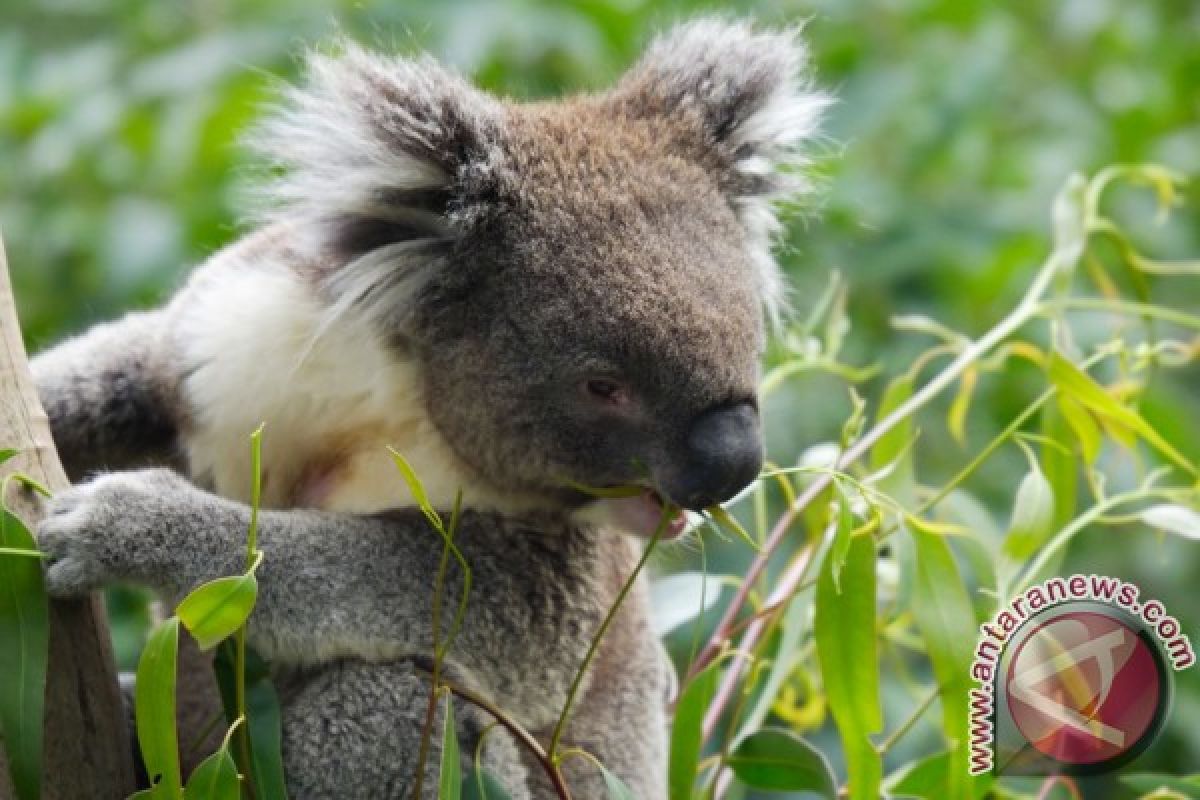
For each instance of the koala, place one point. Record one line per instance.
(524, 299)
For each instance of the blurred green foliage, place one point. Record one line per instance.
(956, 122)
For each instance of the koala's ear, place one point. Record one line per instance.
(749, 97)
(748, 91)
(373, 150)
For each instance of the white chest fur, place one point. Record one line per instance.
(331, 396)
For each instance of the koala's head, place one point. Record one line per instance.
(585, 283)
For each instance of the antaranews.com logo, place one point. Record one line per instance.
(1073, 678)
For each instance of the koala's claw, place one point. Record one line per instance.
(73, 563)
(87, 528)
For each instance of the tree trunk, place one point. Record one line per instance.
(87, 749)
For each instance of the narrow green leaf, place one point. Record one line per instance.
(215, 610)
(1087, 432)
(727, 521)
(1079, 385)
(778, 759)
(216, 778)
(450, 780)
(1176, 519)
(844, 628)
(416, 488)
(7, 453)
(687, 732)
(482, 785)
(841, 537)
(956, 417)
(617, 790)
(1060, 466)
(262, 718)
(925, 778)
(946, 619)
(1032, 515)
(24, 638)
(155, 710)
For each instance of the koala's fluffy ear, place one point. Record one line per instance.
(751, 98)
(749, 91)
(372, 149)
(373, 158)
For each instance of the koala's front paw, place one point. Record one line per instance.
(91, 532)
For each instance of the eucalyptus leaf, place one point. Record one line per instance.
(1176, 519)
(1032, 515)
(844, 627)
(24, 639)
(215, 778)
(154, 709)
(482, 785)
(687, 732)
(216, 610)
(1082, 388)
(779, 760)
(617, 790)
(450, 778)
(946, 619)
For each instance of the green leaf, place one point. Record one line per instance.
(1032, 515)
(1087, 432)
(416, 488)
(216, 610)
(956, 417)
(727, 521)
(450, 777)
(24, 639)
(778, 759)
(155, 709)
(1078, 385)
(617, 790)
(1176, 519)
(844, 628)
(841, 536)
(1059, 465)
(216, 778)
(925, 778)
(687, 732)
(262, 718)
(482, 785)
(946, 619)
(7, 453)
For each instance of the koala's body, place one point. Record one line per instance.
(522, 299)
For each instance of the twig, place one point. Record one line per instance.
(523, 736)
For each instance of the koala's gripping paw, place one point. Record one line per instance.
(91, 532)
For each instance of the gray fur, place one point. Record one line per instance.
(510, 254)
(339, 592)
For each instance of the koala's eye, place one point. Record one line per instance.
(607, 391)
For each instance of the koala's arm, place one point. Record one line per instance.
(111, 396)
(330, 584)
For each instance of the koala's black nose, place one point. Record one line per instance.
(724, 454)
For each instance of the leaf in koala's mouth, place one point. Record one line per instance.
(642, 513)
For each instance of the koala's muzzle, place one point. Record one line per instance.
(724, 452)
